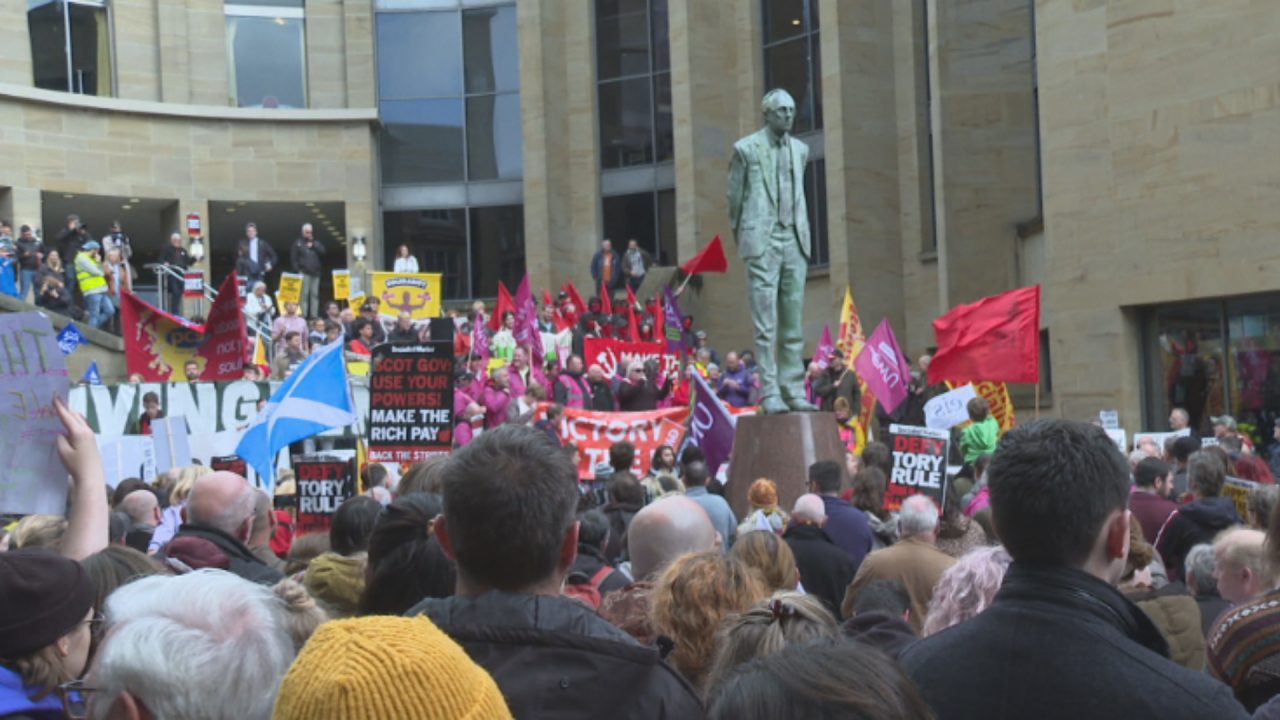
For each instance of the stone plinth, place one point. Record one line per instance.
(781, 448)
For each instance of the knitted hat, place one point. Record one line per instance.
(344, 669)
(42, 597)
(763, 494)
(336, 580)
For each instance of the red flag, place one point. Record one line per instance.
(633, 327)
(505, 303)
(224, 342)
(996, 338)
(546, 297)
(710, 259)
(606, 300)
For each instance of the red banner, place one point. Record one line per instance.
(157, 344)
(614, 355)
(225, 341)
(593, 432)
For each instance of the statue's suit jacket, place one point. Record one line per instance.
(753, 193)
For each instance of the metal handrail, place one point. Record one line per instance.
(161, 270)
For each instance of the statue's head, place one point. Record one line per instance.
(779, 110)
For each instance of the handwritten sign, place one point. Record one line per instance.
(33, 372)
(290, 288)
(950, 408)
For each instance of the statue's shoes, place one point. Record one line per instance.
(800, 405)
(773, 406)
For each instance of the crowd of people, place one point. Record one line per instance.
(1066, 581)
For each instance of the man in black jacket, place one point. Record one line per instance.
(825, 569)
(219, 523)
(508, 522)
(30, 258)
(837, 381)
(176, 257)
(1059, 641)
(305, 258)
(1200, 520)
(260, 253)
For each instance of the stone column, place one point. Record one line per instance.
(135, 24)
(326, 45)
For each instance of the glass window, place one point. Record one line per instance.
(792, 57)
(408, 44)
(1184, 363)
(494, 146)
(268, 61)
(815, 195)
(633, 61)
(784, 19)
(438, 238)
(79, 61)
(647, 217)
(497, 248)
(667, 252)
(492, 55)
(422, 141)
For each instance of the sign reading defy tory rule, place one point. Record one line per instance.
(919, 464)
(410, 401)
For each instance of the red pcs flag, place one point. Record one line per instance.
(996, 339)
(710, 259)
(505, 303)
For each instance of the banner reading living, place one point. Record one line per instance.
(411, 402)
(919, 464)
(322, 486)
(593, 432)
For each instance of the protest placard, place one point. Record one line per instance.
(1119, 437)
(1110, 419)
(323, 485)
(193, 284)
(33, 372)
(919, 464)
(1238, 490)
(341, 284)
(418, 294)
(950, 408)
(230, 463)
(411, 402)
(615, 355)
(290, 288)
(173, 450)
(129, 456)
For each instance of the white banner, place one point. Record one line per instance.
(949, 409)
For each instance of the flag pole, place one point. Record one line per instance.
(680, 289)
(1037, 400)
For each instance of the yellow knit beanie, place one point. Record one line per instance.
(386, 667)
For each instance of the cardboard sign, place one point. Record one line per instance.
(290, 288)
(594, 432)
(1238, 490)
(341, 284)
(172, 448)
(33, 372)
(323, 485)
(131, 456)
(1110, 419)
(1119, 437)
(355, 301)
(193, 284)
(615, 355)
(919, 464)
(419, 294)
(230, 463)
(950, 408)
(410, 402)
(1161, 437)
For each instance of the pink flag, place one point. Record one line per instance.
(826, 346)
(883, 368)
(526, 329)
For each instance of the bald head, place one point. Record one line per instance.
(222, 500)
(142, 507)
(809, 508)
(665, 530)
(1240, 564)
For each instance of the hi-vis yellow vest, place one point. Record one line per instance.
(89, 283)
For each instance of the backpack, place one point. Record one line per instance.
(586, 590)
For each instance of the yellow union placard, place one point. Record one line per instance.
(341, 284)
(290, 288)
(417, 293)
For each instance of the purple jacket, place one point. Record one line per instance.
(741, 396)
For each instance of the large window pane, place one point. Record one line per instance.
(663, 131)
(631, 216)
(783, 19)
(494, 143)
(787, 66)
(90, 50)
(667, 252)
(438, 238)
(419, 55)
(1185, 363)
(268, 57)
(626, 123)
(815, 192)
(1253, 332)
(49, 47)
(497, 248)
(660, 28)
(492, 52)
(90, 47)
(622, 38)
(421, 141)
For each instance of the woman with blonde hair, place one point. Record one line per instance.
(693, 596)
(788, 618)
(171, 520)
(770, 557)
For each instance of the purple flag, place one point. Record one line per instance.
(526, 329)
(711, 426)
(883, 368)
(826, 346)
(673, 322)
(480, 341)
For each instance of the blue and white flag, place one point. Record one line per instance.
(70, 338)
(315, 398)
(92, 376)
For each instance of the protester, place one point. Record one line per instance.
(696, 477)
(1240, 564)
(1259, 503)
(1170, 607)
(641, 390)
(1199, 520)
(344, 670)
(1149, 501)
(825, 570)
(661, 463)
(837, 381)
(290, 321)
(786, 619)
(496, 398)
(302, 615)
(606, 267)
(846, 525)
(405, 261)
(264, 530)
(406, 563)
(165, 635)
(826, 680)
(219, 523)
(143, 509)
(735, 385)
(881, 617)
(571, 389)
(336, 578)
(176, 257)
(600, 393)
(30, 254)
(259, 253)
(292, 354)
(626, 497)
(869, 487)
(1183, 448)
(1203, 585)
(91, 278)
(980, 437)
(958, 534)
(765, 514)
(1068, 541)
(770, 557)
(52, 293)
(966, 588)
(692, 597)
(305, 259)
(592, 567)
(514, 479)
(113, 567)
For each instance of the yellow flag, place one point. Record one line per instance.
(851, 337)
(259, 351)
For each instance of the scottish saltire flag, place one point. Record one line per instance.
(315, 398)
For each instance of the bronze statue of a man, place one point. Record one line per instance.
(771, 224)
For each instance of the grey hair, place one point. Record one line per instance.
(767, 102)
(233, 515)
(166, 635)
(1200, 565)
(259, 284)
(919, 515)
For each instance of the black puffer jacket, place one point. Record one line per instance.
(1199, 521)
(555, 658)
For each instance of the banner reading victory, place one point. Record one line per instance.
(615, 355)
(418, 294)
(411, 402)
(594, 432)
(919, 464)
